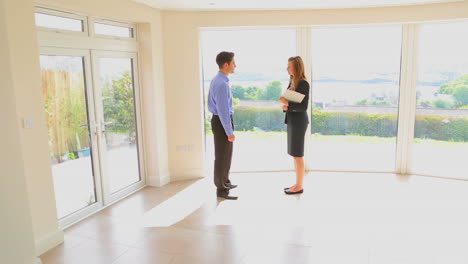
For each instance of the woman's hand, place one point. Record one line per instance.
(285, 107)
(283, 101)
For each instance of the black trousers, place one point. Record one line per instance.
(223, 155)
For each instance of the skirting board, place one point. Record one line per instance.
(188, 174)
(158, 181)
(49, 241)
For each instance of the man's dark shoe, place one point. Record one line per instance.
(231, 186)
(227, 196)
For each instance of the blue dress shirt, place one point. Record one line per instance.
(220, 101)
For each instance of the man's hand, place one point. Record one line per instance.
(283, 101)
(231, 138)
(285, 107)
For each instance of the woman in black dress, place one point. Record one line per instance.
(296, 120)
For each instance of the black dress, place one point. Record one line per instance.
(297, 121)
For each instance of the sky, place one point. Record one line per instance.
(344, 54)
(263, 52)
(356, 53)
(443, 47)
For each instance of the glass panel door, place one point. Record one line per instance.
(441, 126)
(71, 129)
(355, 91)
(259, 79)
(115, 92)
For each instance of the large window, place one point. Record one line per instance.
(355, 97)
(355, 91)
(441, 126)
(260, 78)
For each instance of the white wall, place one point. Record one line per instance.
(17, 237)
(182, 71)
(24, 69)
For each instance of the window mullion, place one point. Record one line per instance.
(407, 98)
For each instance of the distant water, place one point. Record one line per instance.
(347, 92)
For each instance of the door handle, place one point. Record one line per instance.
(92, 126)
(104, 124)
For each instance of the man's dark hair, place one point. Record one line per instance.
(224, 57)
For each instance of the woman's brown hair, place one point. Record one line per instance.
(299, 74)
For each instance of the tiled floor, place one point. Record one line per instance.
(341, 218)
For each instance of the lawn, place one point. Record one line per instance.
(258, 150)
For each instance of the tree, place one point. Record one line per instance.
(252, 93)
(461, 95)
(238, 92)
(439, 103)
(118, 104)
(380, 102)
(450, 88)
(362, 102)
(272, 91)
(458, 88)
(373, 102)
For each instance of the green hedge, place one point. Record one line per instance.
(442, 128)
(336, 123)
(363, 124)
(251, 118)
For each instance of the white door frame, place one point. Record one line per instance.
(95, 55)
(103, 198)
(85, 212)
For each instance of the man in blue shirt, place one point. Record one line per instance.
(220, 105)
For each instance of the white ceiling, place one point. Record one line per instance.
(197, 5)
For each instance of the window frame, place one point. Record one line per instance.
(64, 14)
(94, 20)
